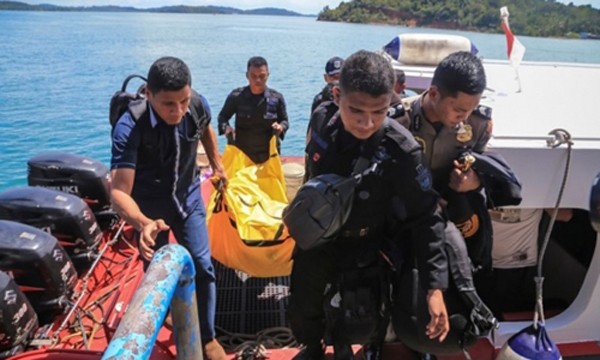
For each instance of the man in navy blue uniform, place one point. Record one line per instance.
(260, 112)
(155, 180)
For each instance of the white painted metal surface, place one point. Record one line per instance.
(552, 96)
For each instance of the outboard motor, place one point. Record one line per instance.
(19, 320)
(82, 176)
(39, 265)
(65, 216)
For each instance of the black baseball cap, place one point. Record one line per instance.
(334, 65)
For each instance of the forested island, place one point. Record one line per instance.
(20, 6)
(546, 18)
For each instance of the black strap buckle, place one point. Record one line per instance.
(356, 233)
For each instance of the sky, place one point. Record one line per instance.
(301, 6)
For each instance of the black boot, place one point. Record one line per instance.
(373, 352)
(342, 352)
(311, 352)
(425, 356)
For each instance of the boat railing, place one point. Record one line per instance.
(554, 139)
(546, 138)
(551, 64)
(169, 281)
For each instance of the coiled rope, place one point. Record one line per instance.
(253, 346)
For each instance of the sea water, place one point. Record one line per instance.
(58, 70)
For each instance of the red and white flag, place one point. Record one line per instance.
(515, 49)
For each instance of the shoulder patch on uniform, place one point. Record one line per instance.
(406, 118)
(490, 127)
(424, 177)
(237, 91)
(423, 144)
(318, 139)
(483, 111)
(407, 103)
(402, 137)
(396, 111)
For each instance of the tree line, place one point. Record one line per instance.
(545, 18)
(179, 9)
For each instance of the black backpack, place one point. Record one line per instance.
(123, 101)
(469, 316)
(320, 209)
(323, 204)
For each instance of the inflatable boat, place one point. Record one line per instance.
(71, 278)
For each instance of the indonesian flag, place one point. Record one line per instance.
(515, 49)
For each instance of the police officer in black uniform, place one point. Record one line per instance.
(260, 112)
(331, 77)
(396, 203)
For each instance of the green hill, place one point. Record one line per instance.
(15, 5)
(546, 18)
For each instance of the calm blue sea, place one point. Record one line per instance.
(59, 70)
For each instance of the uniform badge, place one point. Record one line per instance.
(423, 178)
(490, 127)
(418, 119)
(316, 157)
(464, 133)
(469, 227)
(422, 143)
(484, 111)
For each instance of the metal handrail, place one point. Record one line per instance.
(169, 281)
(543, 138)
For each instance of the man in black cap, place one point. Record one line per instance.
(331, 77)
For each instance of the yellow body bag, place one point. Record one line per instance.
(245, 225)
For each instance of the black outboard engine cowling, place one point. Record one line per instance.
(79, 175)
(84, 177)
(39, 265)
(19, 320)
(65, 216)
